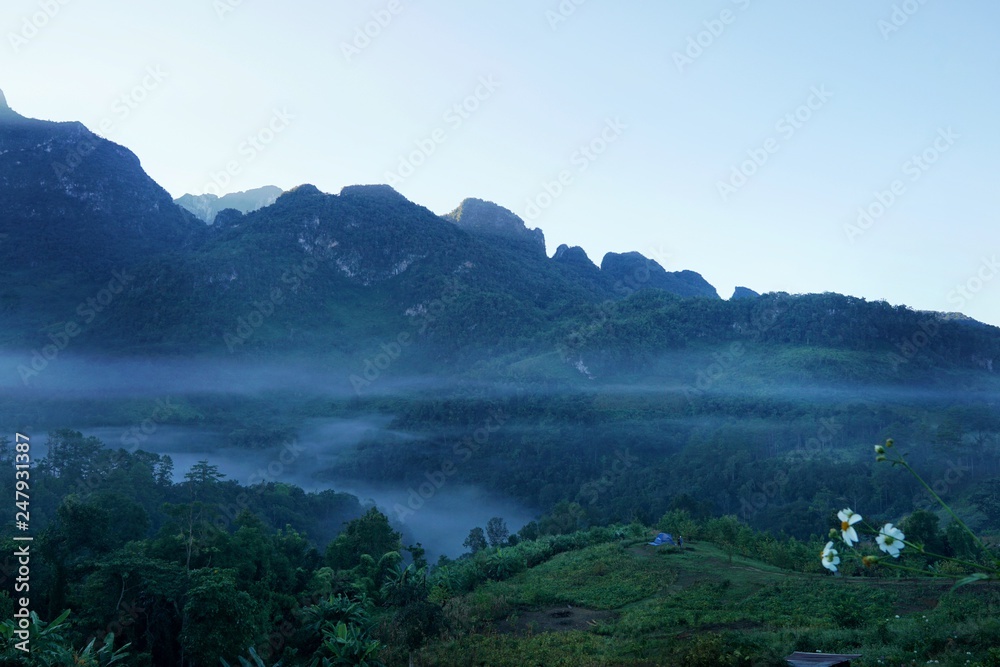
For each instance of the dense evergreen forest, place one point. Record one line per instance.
(204, 568)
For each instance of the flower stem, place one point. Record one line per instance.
(941, 502)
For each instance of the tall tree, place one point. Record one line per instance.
(496, 532)
(369, 535)
(476, 541)
(220, 621)
(987, 499)
(203, 475)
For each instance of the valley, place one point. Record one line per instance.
(304, 414)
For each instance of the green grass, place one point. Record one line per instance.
(666, 607)
(606, 576)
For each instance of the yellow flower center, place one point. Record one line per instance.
(844, 525)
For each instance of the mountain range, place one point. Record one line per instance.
(394, 344)
(447, 371)
(338, 271)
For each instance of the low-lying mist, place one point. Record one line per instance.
(403, 442)
(438, 513)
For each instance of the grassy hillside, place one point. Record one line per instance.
(626, 603)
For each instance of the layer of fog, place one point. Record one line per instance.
(438, 513)
(71, 377)
(812, 392)
(93, 377)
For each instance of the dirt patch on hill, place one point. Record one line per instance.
(553, 619)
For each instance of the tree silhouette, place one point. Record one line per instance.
(496, 532)
(476, 541)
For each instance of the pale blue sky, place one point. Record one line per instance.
(677, 130)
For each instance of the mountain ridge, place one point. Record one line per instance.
(362, 264)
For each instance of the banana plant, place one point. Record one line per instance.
(347, 645)
(257, 661)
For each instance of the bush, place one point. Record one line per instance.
(680, 522)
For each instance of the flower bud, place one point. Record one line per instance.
(889, 442)
(879, 449)
(870, 561)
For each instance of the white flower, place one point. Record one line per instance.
(890, 540)
(830, 557)
(847, 521)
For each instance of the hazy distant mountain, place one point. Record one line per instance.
(207, 206)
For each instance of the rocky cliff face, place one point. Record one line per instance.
(80, 201)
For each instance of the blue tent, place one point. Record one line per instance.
(663, 538)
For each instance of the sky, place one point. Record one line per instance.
(783, 146)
